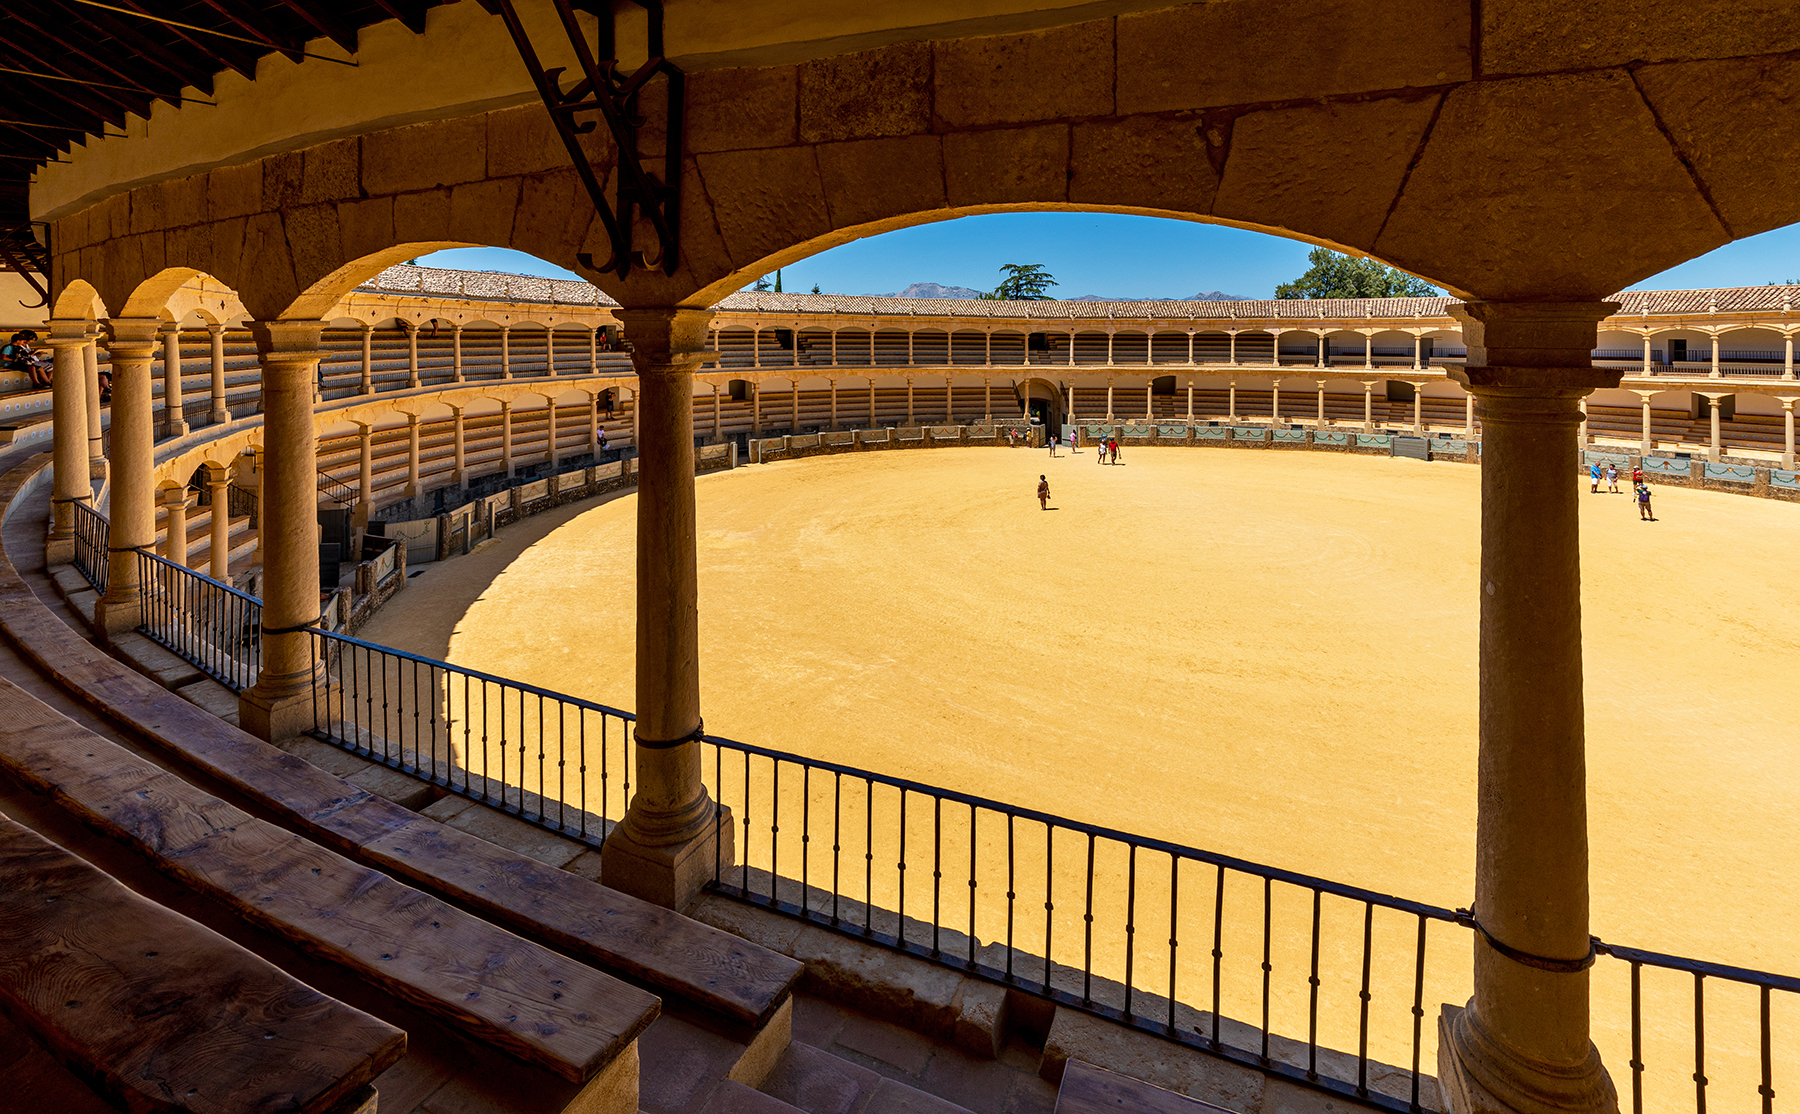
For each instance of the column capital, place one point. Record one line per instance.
(289, 342)
(170, 328)
(217, 475)
(667, 340)
(1529, 344)
(215, 328)
(132, 336)
(68, 333)
(173, 496)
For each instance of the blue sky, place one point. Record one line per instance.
(1123, 256)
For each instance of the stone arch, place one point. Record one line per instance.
(77, 301)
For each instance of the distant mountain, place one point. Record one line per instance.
(933, 290)
(1218, 296)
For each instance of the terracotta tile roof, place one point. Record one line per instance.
(406, 279)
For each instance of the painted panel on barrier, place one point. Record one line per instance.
(946, 432)
(419, 537)
(608, 471)
(805, 441)
(714, 452)
(1589, 456)
(1445, 445)
(1177, 431)
(878, 435)
(834, 438)
(1214, 432)
(1666, 466)
(1242, 433)
(1137, 431)
(1290, 435)
(1329, 438)
(1730, 473)
(1784, 479)
(533, 491)
(1374, 440)
(497, 504)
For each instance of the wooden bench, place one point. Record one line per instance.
(158, 1013)
(535, 1005)
(722, 974)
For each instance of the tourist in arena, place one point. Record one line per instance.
(1643, 502)
(1594, 475)
(1043, 494)
(1112, 447)
(1052, 439)
(1100, 450)
(1612, 478)
(1637, 476)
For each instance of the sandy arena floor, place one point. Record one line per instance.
(1265, 654)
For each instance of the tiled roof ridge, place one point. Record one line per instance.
(448, 282)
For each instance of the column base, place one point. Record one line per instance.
(119, 614)
(277, 717)
(670, 875)
(97, 468)
(219, 417)
(59, 549)
(1478, 1076)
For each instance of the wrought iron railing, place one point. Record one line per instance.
(1167, 939)
(211, 624)
(554, 760)
(92, 534)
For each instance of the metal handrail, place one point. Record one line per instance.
(205, 621)
(93, 535)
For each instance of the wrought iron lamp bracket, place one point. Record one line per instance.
(603, 88)
(26, 250)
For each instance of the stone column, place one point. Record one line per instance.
(1712, 452)
(1190, 334)
(1369, 351)
(412, 353)
(1072, 403)
(635, 423)
(1647, 370)
(665, 848)
(552, 434)
(175, 508)
(174, 422)
(1275, 402)
(218, 482)
(1368, 406)
(756, 406)
(365, 475)
(1645, 442)
(69, 432)
(96, 438)
(1231, 401)
(1714, 374)
(1787, 425)
(412, 455)
(1324, 350)
(988, 338)
(1275, 347)
(987, 390)
(133, 498)
(280, 705)
(718, 422)
(1787, 356)
(909, 400)
(460, 447)
(1321, 419)
(1109, 385)
(366, 384)
(505, 352)
(1522, 1042)
(1468, 416)
(756, 347)
(794, 426)
(1071, 347)
(220, 414)
(594, 350)
(593, 432)
(834, 355)
(1231, 348)
(456, 364)
(550, 351)
(1150, 402)
(506, 444)
(833, 383)
(1190, 416)
(872, 419)
(1109, 347)
(1418, 350)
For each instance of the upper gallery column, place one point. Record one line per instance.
(280, 704)
(68, 409)
(1522, 1043)
(174, 417)
(132, 502)
(664, 849)
(220, 412)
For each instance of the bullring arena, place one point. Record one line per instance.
(445, 691)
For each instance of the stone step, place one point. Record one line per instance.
(685, 1068)
(815, 1081)
(1087, 1089)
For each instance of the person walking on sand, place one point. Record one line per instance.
(1043, 494)
(1052, 439)
(1643, 502)
(1594, 477)
(1612, 479)
(1637, 475)
(1115, 450)
(1100, 451)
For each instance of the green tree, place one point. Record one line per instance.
(1022, 282)
(1335, 275)
(778, 280)
(815, 288)
(762, 284)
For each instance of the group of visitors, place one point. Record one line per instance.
(19, 355)
(1639, 489)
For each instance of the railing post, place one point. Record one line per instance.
(280, 705)
(672, 836)
(133, 499)
(68, 404)
(1522, 1043)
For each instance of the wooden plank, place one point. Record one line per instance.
(1087, 1089)
(700, 963)
(536, 1005)
(158, 1013)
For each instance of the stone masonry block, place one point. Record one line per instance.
(185, 201)
(1537, 36)
(1011, 165)
(234, 191)
(523, 140)
(765, 200)
(482, 212)
(552, 213)
(148, 208)
(736, 109)
(114, 218)
(1737, 123)
(331, 172)
(1531, 167)
(1076, 1036)
(1287, 49)
(1328, 170)
(425, 156)
(421, 217)
(868, 94)
(978, 80)
(264, 275)
(282, 178)
(312, 235)
(1150, 162)
(365, 226)
(870, 179)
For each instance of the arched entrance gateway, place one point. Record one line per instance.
(1529, 171)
